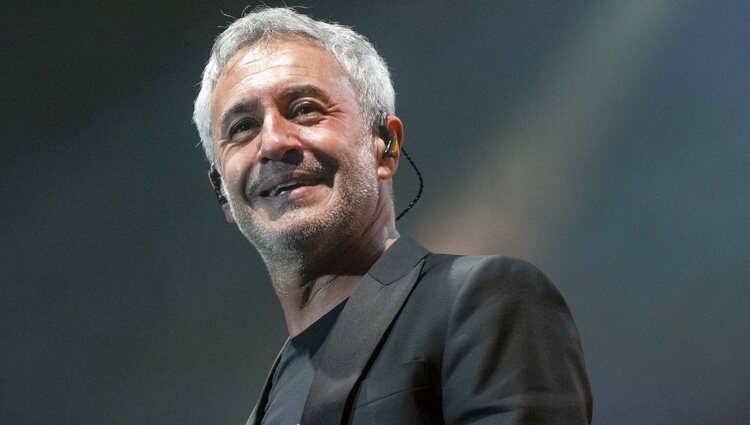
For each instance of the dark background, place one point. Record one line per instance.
(605, 141)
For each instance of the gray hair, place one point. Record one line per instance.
(367, 71)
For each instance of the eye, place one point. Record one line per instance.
(303, 111)
(243, 126)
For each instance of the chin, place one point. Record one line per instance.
(300, 232)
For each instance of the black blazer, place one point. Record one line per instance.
(442, 339)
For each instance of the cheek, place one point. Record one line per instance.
(234, 172)
(331, 133)
(361, 162)
(319, 137)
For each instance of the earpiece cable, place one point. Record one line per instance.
(421, 185)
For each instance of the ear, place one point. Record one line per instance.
(228, 216)
(388, 165)
(225, 206)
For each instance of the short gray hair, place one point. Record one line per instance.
(367, 71)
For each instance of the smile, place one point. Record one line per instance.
(286, 184)
(281, 189)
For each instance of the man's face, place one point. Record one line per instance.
(296, 157)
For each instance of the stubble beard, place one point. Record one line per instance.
(310, 237)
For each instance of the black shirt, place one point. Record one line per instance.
(294, 375)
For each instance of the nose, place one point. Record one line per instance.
(279, 140)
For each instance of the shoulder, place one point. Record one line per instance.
(496, 291)
(507, 276)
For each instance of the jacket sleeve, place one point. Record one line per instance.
(512, 353)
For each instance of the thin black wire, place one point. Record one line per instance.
(421, 184)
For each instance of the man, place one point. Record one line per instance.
(297, 119)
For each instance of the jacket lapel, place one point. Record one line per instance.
(362, 325)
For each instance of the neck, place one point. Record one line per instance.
(308, 288)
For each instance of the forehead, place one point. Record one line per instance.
(267, 68)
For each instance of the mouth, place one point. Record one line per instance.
(285, 184)
(281, 189)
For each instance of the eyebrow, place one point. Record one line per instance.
(249, 105)
(242, 107)
(304, 90)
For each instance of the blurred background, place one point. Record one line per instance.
(605, 141)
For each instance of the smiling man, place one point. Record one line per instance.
(297, 117)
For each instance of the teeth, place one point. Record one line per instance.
(278, 189)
